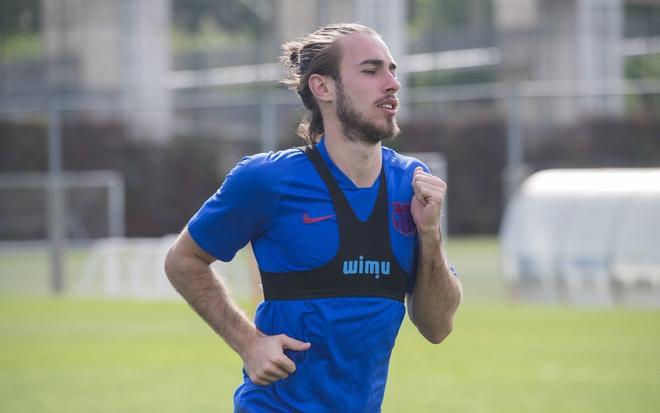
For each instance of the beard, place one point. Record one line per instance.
(356, 128)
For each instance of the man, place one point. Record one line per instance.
(343, 231)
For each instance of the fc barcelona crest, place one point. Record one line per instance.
(402, 219)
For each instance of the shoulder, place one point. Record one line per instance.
(270, 161)
(266, 169)
(399, 164)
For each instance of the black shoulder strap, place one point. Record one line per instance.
(337, 195)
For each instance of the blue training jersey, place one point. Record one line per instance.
(280, 203)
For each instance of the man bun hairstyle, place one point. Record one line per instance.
(316, 53)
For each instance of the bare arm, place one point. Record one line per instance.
(188, 269)
(437, 293)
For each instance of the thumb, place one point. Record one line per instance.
(293, 344)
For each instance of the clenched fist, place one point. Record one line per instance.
(426, 204)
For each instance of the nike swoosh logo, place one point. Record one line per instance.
(309, 220)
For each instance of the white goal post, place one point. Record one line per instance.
(111, 181)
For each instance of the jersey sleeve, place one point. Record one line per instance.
(237, 212)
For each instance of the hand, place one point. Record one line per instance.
(429, 195)
(265, 361)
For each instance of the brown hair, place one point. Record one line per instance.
(315, 53)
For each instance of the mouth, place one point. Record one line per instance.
(388, 105)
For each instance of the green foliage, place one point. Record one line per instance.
(208, 37)
(643, 67)
(232, 26)
(453, 77)
(20, 46)
(442, 16)
(232, 16)
(19, 16)
(642, 19)
(19, 30)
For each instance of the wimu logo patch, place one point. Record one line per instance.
(366, 267)
(402, 218)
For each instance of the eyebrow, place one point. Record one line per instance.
(377, 62)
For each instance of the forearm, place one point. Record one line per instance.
(437, 292)
(205, 293)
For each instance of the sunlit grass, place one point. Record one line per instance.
(79, 355)
(107, 356)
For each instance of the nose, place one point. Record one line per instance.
(392, 85)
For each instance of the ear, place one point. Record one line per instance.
(323, 87)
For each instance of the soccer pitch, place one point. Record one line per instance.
(80, 355)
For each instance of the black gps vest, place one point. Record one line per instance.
(364, 264)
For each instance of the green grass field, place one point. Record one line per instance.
(79, 355)
(66, 355)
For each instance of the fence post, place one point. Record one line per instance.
(56, 208)
(116, 209)
(515, 153)
(268, 122)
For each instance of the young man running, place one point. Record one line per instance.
(344, 232)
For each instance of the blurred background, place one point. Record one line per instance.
(118, 118)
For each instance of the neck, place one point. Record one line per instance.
(359, 161)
